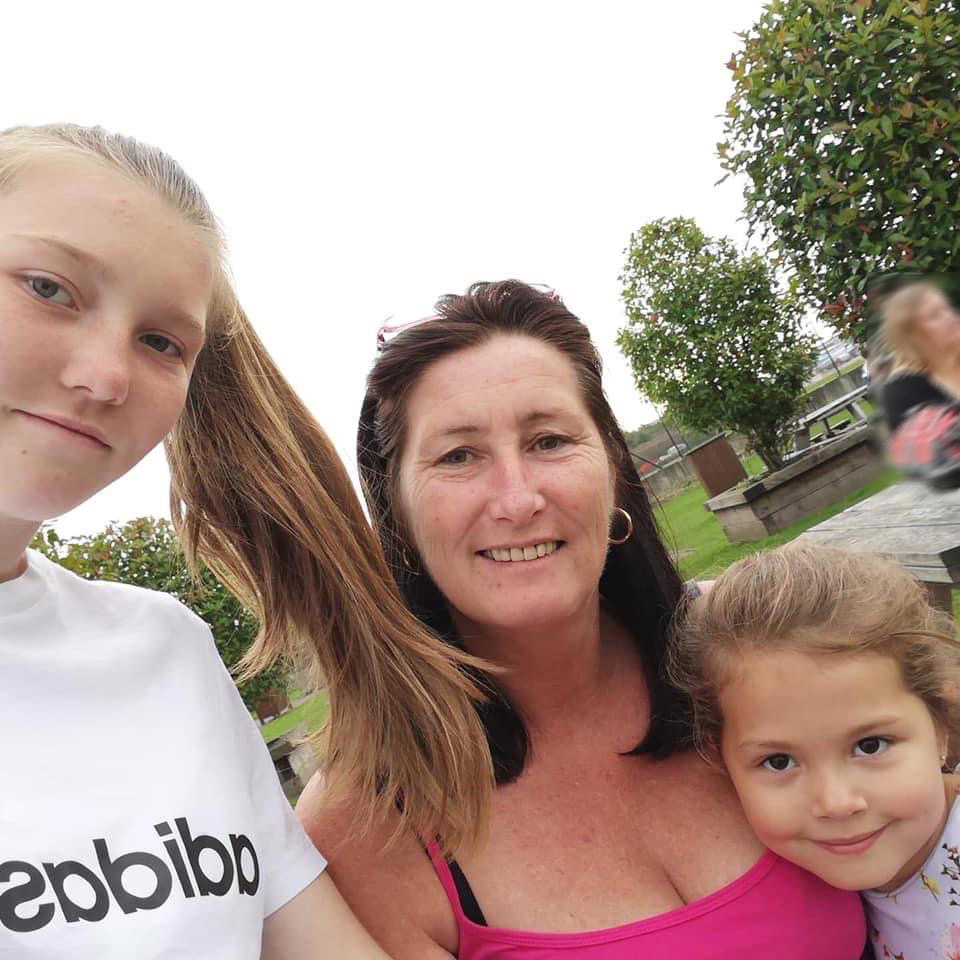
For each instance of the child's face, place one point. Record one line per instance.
(836, 763)
(103, 295)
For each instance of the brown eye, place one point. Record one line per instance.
(871, 746)
(778, 762)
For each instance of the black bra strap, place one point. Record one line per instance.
(468, 902)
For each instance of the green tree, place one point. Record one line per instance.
(145, 553)
(709, 335)
(844, 119)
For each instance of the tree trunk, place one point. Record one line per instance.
(770, 455)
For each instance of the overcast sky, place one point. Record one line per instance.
(365, 158)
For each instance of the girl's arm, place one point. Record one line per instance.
(317, 924)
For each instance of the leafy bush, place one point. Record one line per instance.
(844, 119)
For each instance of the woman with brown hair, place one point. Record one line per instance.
(515, 523)
(141, 815)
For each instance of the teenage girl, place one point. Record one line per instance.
(140, 814)
(827, 685)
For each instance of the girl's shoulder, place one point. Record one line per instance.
(117, 613)
(67, 586)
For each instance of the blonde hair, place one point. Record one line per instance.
(259, 494)
(818, 600)
(899, 326)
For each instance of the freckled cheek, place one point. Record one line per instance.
(432, 536)
(438, 522)
(24, 360)
(586, 502)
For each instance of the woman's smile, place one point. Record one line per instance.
(523, 553)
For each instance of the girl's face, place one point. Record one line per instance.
(837, 764)
(103, 297)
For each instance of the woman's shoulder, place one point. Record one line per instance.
(388, 881)
(905, 390)
(906, 379)
(350, 846)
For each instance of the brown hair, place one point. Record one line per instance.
(640, 584)
(899, 325)
(259, 494)
(819, 600)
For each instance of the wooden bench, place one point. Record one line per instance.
(911, 523)
(850, 402)
(294, 762)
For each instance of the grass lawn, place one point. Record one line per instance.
(696, 536)
(704, 552)
(313, 712)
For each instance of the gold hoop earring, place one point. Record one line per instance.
(628, 534)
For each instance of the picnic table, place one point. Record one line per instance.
(918, 526)
(849, 402)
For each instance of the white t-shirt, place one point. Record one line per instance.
(140, 814)
(922, 917)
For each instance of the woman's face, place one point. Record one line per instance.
(937, 325)
(505, 484)
(103, 297)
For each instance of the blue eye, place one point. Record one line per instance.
(50, 290)
(871, 746)
(778, 762)
(161, 344)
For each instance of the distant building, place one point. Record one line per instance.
(837, 351)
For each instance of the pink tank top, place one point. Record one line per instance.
(774, 910)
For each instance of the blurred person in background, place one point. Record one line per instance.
(921, 395)
(921, 329)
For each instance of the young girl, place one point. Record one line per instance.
(140, 814)
(827, 684)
